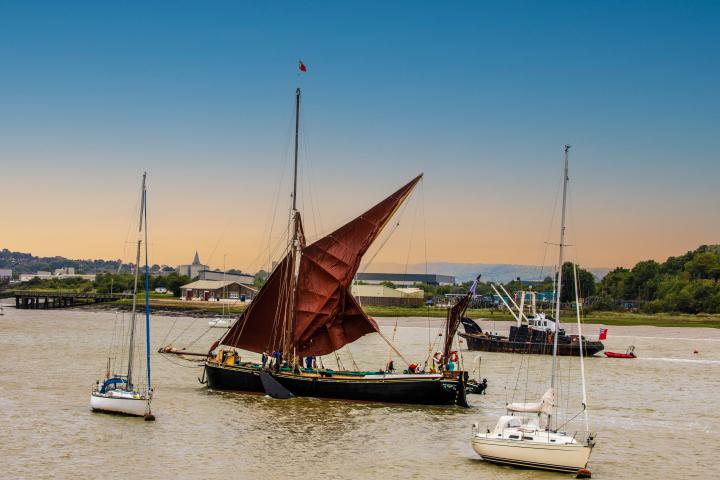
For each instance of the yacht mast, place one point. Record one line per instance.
(128, 385)
(147, 287)
(559, 275)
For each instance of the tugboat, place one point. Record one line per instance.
(535, 336)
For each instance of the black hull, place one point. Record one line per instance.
(487, 343)
(430, 391)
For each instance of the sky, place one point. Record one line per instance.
(479, 96)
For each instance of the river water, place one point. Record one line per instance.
(656, 416)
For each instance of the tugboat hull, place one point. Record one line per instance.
(487, 343)
(423, 389)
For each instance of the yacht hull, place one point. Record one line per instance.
(128, 406)
(545, 456)
(411, 389)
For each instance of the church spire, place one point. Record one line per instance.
(196, 260)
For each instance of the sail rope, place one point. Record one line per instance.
(553, 212)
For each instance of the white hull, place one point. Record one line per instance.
(128, 406)
(568, 457)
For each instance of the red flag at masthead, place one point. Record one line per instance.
(302, 67)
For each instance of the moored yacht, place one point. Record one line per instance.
(529, 435)
(117, 392)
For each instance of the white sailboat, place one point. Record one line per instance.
(130, 393)
(222, 321)
(532, 438)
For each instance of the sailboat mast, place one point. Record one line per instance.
(147, 288)
(297, 130)
(292, 275)
(133, 316)
(560, 268)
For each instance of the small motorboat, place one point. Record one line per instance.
(629, 353)
(220, 322)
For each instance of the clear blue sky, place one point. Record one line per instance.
(480, 96)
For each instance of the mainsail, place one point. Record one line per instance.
(546, 404)
(324, 314)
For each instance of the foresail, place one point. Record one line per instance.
(257, 329)
(327, 316)
(454, 317)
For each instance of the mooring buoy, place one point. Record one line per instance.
(583, 473)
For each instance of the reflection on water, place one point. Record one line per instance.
(646, 411)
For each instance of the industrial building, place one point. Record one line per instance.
(380, 295)
(59, 273)
(405, 279)
(244, 278)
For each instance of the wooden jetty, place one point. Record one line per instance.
(42, 299)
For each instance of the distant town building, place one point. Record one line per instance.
(5, 274)
(192, 270)
(405, 279)
(217, 290)
(245, 278)
(165, 271)
(59, 273)
(380, 295)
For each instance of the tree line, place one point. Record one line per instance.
(109, 283)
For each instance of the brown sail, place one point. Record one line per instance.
(257, 329)
(455, 314)
(326, 315)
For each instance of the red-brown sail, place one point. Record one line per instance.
(455, 314)
(327, 316)
(259, 329)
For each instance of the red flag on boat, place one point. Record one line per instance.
(603, 333)
(302, 67)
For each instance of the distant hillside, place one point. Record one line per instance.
(491, 272)
(28, 263)
(497, 272)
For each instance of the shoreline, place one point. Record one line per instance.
(203, 310)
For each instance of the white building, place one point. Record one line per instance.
(59, 273)
(5, 274)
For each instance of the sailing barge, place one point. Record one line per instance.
(306, 310)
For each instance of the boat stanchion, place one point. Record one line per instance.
(583, 473)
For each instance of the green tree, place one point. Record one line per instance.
(586, 281)
(704, 265)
